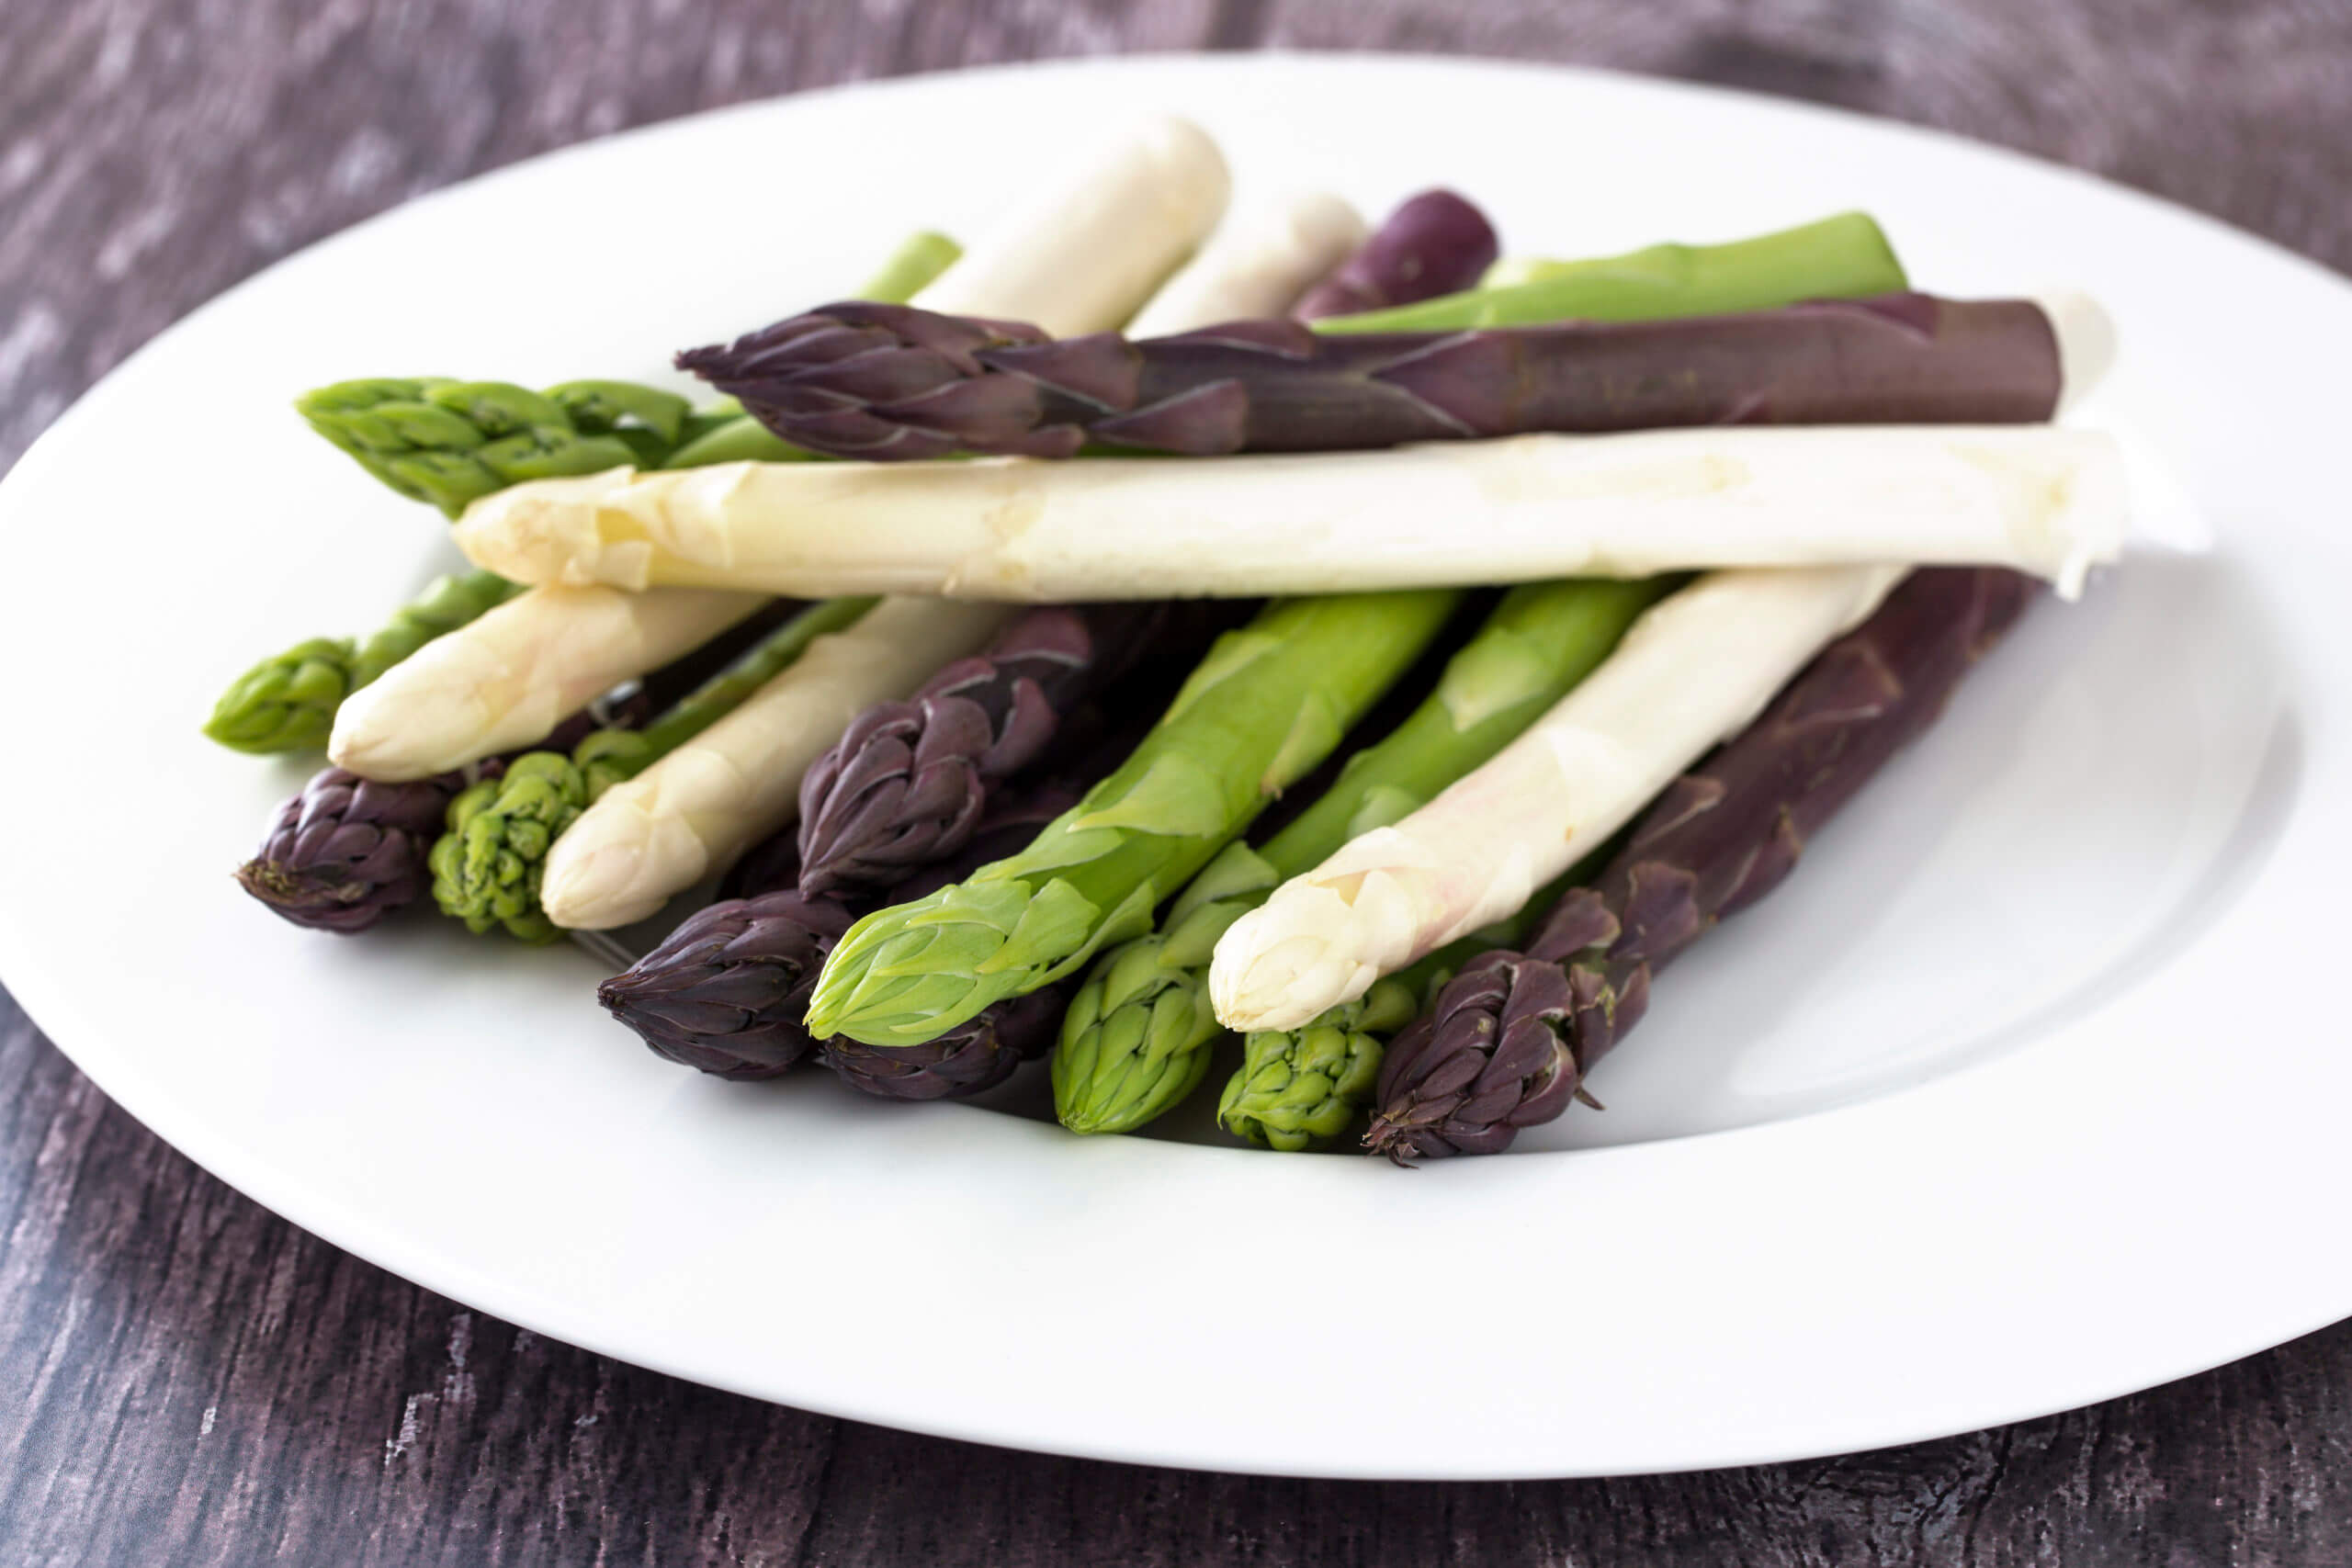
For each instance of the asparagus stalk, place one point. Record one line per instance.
(1693, 670)
(1253, 266)
(1435, 244)
(1267, 704)
(505, 680)
(1084, 253)
(1510, 1039)
(907, 781)
(288, 703)
(487, 868)
(2042, 500)
(696, 810)
(1842, 257)
(1134, 1041)
(449, 442)
(895, 384)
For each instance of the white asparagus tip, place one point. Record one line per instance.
(584, 526)
(1287, 983)
(2087, 343)
(382, 736)
(604, 880)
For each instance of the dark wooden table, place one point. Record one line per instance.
(188, 1379)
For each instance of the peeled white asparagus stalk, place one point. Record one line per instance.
(1086, 252)
(2042, 500)
(1697, 668)
(697, 808)
(507, 678)
(1251, 267)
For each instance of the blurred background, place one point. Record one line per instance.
(184, 1379)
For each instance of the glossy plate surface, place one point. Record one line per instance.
(2027, 1090)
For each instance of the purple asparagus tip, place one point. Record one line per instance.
(907, 784)
(726, 991)
(966, 1060)
(1496, 1051)
(346, 852)
(1435, 244)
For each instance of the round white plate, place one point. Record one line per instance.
(2026, 1091)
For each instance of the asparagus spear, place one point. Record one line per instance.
(506, 679)
(897, 384)
(448, 442)
(1134, 1041)
(1693, 670)
(1435, 244)
(1510, 1038)
(487, 868)
(1529, 508)
(1840, 257)
(288, 703)
(906, 782)
(1267, 704)
(1255, 265)
(1084, 252)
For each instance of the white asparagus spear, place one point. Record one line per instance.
(1698, 667)
(1251, 266)
(2045, 500)
(1088, 250)
(697, 808)
(508, 678)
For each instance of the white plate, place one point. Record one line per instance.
(2028, 1090)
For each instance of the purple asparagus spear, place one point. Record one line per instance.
(1508, 1042)
(1435, 244)
(891, 382)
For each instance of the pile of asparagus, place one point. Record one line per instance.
(1154, 628)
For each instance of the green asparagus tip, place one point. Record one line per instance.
(287, 702)
(1134, 1040)
(486, 868)
(908, 974)
(1306, 1088)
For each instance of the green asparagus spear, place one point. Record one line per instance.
(287, 702)
(451, 442)
(486, 867)
(1268, 704)
(1843, 257)
(1134, 1040)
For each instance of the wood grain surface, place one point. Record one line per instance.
(185, 1379)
